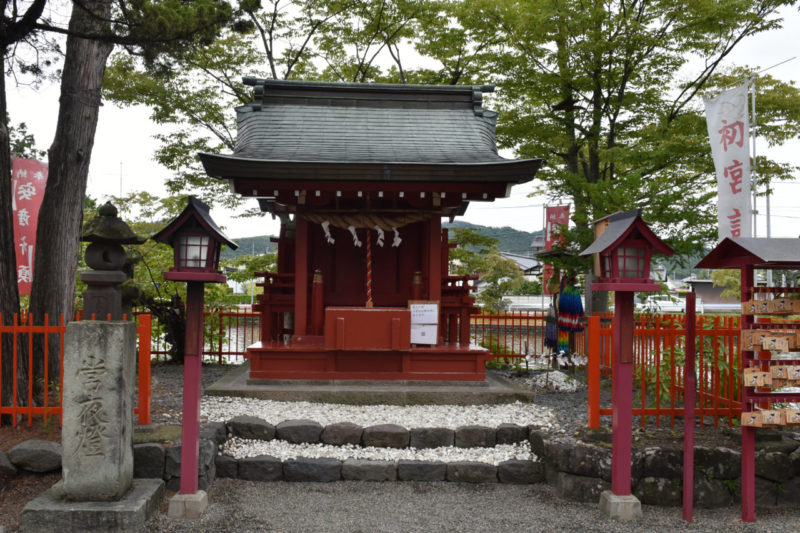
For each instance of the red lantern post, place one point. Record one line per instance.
(623, 247)
(196, 241)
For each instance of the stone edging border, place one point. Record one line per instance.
(578, 471)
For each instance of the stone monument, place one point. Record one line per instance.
(98, 492)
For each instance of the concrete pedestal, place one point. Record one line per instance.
(188, 505)
(52, 511)
(625, 507)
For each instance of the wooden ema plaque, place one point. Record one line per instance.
(771, 418)
(783, 341)
(777, 306)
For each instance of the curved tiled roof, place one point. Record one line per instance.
(414, 129)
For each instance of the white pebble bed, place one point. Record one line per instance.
(555, 381)
(223, 408)
(282, 450)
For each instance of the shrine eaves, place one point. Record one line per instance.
(317, 146)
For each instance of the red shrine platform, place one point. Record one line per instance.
(360, 176)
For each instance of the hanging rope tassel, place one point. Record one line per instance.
(369, 269)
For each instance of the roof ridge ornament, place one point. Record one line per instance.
(477, 100)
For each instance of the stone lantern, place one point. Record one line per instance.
(97, 490)
(105, 255)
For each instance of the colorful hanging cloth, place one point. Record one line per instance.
(551, 329)
(570, 309)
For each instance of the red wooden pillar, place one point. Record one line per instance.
(445, 251)
(593, 370)
(435, 259)
(464, 325)
(435, 270)
(622, 394)
(689, 397)
(748, 433)
(192, 368)
(300, 277)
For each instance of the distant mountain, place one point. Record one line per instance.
(509, 240)
(249, 246)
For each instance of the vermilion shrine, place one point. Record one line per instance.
(360, 176)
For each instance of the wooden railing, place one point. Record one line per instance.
(516, 334)
(226, 336)
(658, 368)
(47, 402)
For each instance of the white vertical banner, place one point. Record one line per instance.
(728, 131)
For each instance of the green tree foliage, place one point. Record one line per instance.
(477, 254)
(501, 278)
(336, 40)
(148, 290)
(608, 92)
(22, 143)
(246, 266)
(470, 255)
(730, 279)
(528, 287)
(145, 27)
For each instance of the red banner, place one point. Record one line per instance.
(28, 179)
(555, 215)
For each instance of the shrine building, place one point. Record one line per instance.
(360, 176)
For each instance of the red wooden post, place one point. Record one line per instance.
(593, 363)
(144, 368)
(62, 329)
(301, 278)
(15, 355)
(622, 394)
(435, 257)
(192, 370)
(46, 366)
(689, 384)
(748, 433)
(2, 411)
(30, 370)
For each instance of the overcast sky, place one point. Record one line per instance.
(122, 156)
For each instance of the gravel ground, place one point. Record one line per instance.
(243, 506)
(349, 506)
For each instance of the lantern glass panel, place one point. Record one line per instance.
(630, 261)
(193, 251)
(606, 269)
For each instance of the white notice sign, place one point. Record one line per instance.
(423, 333)
(424, 321)
(424, 313)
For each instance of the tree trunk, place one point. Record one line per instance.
(61, 215)
(9, 293)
